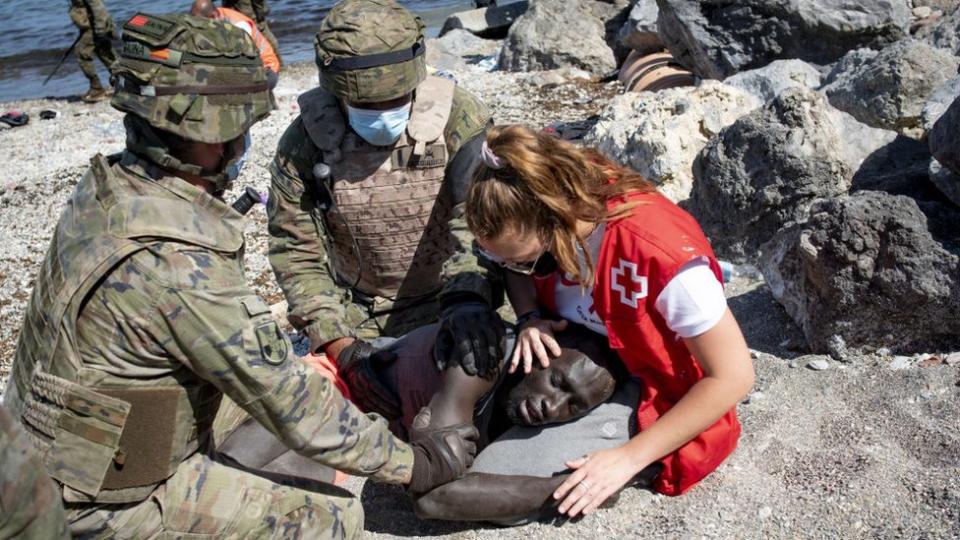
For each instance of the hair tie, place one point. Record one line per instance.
(489, 158)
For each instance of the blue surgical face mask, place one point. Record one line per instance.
(379, 128)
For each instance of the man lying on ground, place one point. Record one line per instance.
(525, 421)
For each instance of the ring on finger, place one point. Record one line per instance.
(585, 484)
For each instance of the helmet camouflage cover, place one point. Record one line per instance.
(198, 78)
(370, 50)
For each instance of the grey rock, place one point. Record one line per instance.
(866, 268)
(639, 32)
(889, 89)
(557, 33)
(943, 33)
(900, 362)
(946, 6)
(660, 133)
(458, 48)
(614, 14)
(775, 78)
(819, 364)
(904, 166)
(900, 167)
(487, 22)
(937, 104)
(944, 143)
(762, 172)
(717, 38)
(946, 181)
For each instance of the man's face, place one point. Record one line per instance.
(571, 386)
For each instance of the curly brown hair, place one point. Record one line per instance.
(547, 185)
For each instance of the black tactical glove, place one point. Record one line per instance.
(441, 455)
(471, 336)
(356, 364)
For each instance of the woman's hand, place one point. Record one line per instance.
(595, 478)
(536, 340)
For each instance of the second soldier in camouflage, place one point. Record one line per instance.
(367, 234)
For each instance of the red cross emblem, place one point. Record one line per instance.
(633, 287)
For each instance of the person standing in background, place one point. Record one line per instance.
(96, 38)
(258, 11)
(268, 55)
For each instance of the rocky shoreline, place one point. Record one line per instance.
(856, 442)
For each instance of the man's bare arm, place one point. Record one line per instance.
(490, 497)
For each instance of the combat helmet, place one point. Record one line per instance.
(198, 78)
(370, 50)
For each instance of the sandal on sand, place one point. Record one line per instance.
(15, 118)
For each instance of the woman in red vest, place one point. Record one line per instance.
(590, 241)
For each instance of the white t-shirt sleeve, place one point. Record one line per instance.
(693, 301)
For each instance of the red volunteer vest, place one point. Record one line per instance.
(640, 253)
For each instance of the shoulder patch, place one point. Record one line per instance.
(274, 346)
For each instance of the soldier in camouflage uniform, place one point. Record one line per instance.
(258, 11)
(96, 38)
(30, 506)
(140, 320)
(379, 246)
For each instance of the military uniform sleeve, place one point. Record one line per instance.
(225, 334)
(100, 18)
(30, 505)
(296, 246)
(463, 273)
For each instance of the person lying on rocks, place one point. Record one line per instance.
(525, 420)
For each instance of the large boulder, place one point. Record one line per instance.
(776, 78)
(639, 32)
(864, 271)
(946, 181)
(488, 22)
(457, 48)
(614, 14)
(660, 133)
(555, 34)
(939, 102)
(946, 6)
(889, 89)
(763, 172)
(944, 141)
(717, 38)
(945, 33)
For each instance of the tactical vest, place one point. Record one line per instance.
(113, 440)
(388, 222)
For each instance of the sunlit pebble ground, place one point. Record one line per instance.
(865, 449)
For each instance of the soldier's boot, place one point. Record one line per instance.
(96, 92)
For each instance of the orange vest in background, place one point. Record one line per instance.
(267, 55)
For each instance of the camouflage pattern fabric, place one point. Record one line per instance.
(368, 27)
(320, 305)
(178, 310)
(30, 506)
(207, 499)
(96, 34)
(197, 78)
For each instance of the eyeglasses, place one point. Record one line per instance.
(524, 268)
